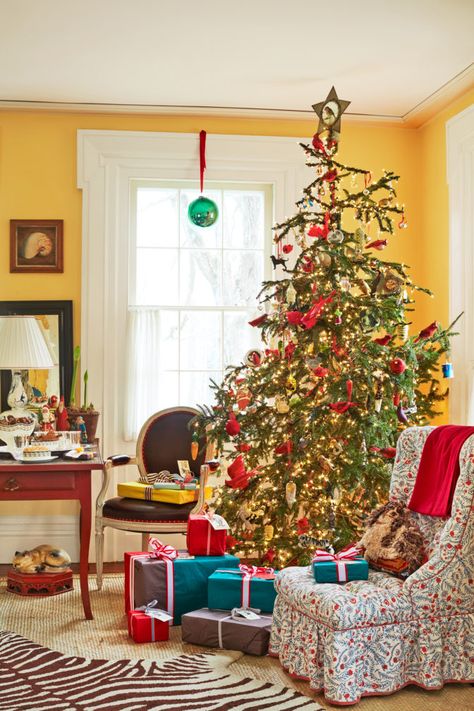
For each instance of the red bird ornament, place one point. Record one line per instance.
(377, 244)
(427, 332)
(386, 452)
(259, 320)
(384, 340)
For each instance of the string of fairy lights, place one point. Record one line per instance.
(316, 414)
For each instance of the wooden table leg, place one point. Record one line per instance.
(84, 487)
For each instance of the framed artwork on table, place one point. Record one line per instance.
(55, 319)
(36, 246)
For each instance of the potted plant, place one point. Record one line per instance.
(86, 411)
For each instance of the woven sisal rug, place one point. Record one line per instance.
(35, 678)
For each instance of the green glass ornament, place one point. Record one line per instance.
(203, 212)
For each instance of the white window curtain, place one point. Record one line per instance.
(460, 174)
(143, 367)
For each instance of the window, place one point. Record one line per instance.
(195, 288)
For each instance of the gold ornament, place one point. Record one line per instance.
(345, 284)
(281, 405)
(290, 493)
(363, 286)
(324, 259)
(360, 236)
(291, 384)
(291, 294)
(268, 532)
(325, 463)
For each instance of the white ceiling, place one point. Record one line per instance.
(386, 57)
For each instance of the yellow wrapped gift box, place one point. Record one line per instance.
(137, 490)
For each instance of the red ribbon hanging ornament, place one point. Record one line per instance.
(203, 211)
(343, 406)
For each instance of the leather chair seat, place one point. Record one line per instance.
(137, 510)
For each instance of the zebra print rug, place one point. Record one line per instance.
(35, 678)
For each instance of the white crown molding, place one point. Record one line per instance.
(19, 533)
(172, 110)
(436, 102)
(460, 178)
(416, 117)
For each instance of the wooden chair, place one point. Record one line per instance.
(162, 441)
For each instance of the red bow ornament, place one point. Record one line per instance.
(318, 231)
(343, 405)
(312, 316)
(318, 145)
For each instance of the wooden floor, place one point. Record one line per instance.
(108, 568)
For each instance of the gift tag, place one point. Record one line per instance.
(218, 523)
(160, 615)
(246, 613)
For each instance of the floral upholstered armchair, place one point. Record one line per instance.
(375, 636)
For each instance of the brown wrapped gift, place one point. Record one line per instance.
(225, 630)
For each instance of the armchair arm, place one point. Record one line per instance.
(111, 462)
(118, 460)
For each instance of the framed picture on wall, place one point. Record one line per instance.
(55, 320)
(36, 246)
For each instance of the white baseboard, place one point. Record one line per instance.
(18, 533)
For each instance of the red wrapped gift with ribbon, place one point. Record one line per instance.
(203, 538)
(145, 626)
(339, 567)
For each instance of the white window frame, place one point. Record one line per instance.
(460, 177)
(106, 162)
(267, 191)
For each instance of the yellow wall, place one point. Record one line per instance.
(434, 246)
(38, 180)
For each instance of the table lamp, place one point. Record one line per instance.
(22, 347)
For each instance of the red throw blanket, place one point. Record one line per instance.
(439, 470)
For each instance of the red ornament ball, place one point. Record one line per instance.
(232, 427)
(397, 366)
(287, 248)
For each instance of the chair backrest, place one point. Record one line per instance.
(164, 439)
(433, 528)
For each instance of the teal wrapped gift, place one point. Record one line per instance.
(249, 586)
(339, 567)
(178, 584)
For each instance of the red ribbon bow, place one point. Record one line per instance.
(343, 406)
(161, 550)
(347, 553)
(255, 570)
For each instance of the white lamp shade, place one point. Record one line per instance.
(22, 345)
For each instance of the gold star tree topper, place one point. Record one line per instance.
(330, 111)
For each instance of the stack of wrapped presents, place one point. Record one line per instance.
(218, 601)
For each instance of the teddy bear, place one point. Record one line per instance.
(42, 559)
(392, 540)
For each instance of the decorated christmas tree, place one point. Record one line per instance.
(308, 425)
